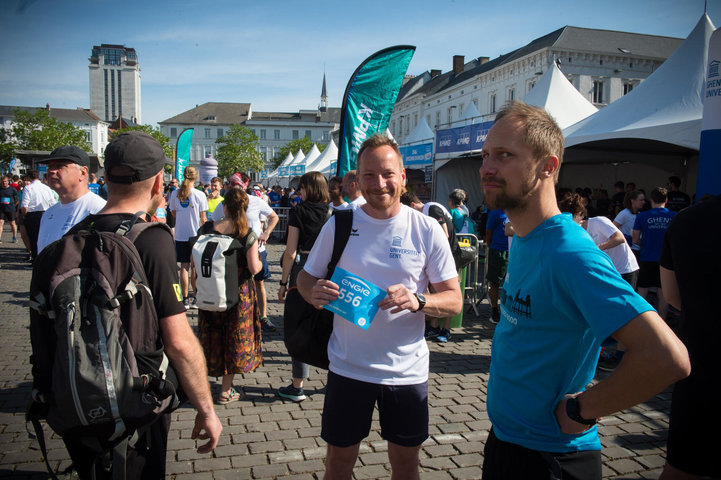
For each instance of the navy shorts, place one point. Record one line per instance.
(264, 273)
(348, 411)
(183, 251)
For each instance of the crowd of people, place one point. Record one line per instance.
(567, 292)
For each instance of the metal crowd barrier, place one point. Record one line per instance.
(280, 231)
(475, 286)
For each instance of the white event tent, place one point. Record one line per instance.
(325, 161)
(653, 131)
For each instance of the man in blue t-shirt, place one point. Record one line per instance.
(648, 232)
(497, 257)
(561, 298)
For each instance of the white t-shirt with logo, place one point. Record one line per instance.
(187, 213)
(257, 211)
(600, 229)
(409, 249)
(59, 218)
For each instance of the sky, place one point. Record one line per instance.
(273, 53)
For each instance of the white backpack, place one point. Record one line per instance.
(216, 271)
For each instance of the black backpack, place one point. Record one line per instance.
(100, 374)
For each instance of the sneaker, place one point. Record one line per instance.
(495, 316)
(193, 304)
(608, 360)
(267, 326)
(15, 239)
(292, 393)
(444, 335)
(432, 332)
(186, 303)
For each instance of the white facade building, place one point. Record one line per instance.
(96, 130)
(115, 83)
(603, 65)
(211, 120)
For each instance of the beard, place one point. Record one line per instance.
(502, 200)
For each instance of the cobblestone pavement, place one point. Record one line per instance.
(265, 437)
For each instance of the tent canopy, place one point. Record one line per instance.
(661, 116)
(422, 133)
(555, 93)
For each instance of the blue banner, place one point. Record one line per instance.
(297, 170)
(182, 153)
(462, 139)
(283, 171)
(369, 100)
(709, 167)
(417, 155)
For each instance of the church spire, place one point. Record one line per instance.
(323, 97)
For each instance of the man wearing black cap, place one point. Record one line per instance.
(68, 175)
(134, 164)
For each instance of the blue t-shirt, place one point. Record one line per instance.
(497, 223)
(652, 224)
(274, 198)
(561, 298)
(94, 187)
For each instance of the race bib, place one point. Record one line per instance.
(358, 299)
(5, 200)
(160, 212)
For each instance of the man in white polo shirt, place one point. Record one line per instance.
(37, 197)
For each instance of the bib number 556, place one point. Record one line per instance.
(349, 297)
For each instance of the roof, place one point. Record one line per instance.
(213, 113)
(331, 115)
(568, 38)
(77, 115)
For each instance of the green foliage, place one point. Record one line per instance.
(38, 131)
(156, 134)
(292, 147)
(238, 152)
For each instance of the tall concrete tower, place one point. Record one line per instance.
(115, 83)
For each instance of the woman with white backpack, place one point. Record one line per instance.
(225, 253)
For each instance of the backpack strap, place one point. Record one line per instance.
(343, 225)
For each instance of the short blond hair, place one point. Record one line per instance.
(378, 140)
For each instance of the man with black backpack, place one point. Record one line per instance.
(143, 320)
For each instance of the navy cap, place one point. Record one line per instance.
(139, 152)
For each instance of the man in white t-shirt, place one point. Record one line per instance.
(258, 210)
(402, 252)
(68, 175)
(36, 198)
(352, 191)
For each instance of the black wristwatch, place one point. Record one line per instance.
(573, 410)
(421, 301)
(283, 284)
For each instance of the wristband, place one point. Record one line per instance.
(573, 410)
(283, 284)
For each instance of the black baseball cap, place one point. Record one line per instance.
(136, 150)
(70, 153)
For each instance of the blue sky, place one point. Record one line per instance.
(273, 53)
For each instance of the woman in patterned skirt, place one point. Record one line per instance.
(231, 339)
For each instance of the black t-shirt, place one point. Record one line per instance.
(157, 252)
(677, 200)
(690, 249)
(309, 218)
(8, 199)
(618, 201)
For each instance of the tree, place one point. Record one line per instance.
(238, 151)
(292, 147)
(38, 131)
(156, 134)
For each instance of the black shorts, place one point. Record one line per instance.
(497, 265)
(508, 461)
(348, 411)
(8, 216)
(183, 251)
(649, 275)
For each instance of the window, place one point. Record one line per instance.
(393, 128)
(326, 136)
(207, 150)
(597, 91)
(252, 130)
(511, 94)
(400, 125)
(438, 118)
(206, 132)
(173, 132)
(89, 136)
(295, 135)
(415, 120)
(493, 103)
(276, 134)
(262, 134)
(308, 134)
(627, 87)
(219, 132)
